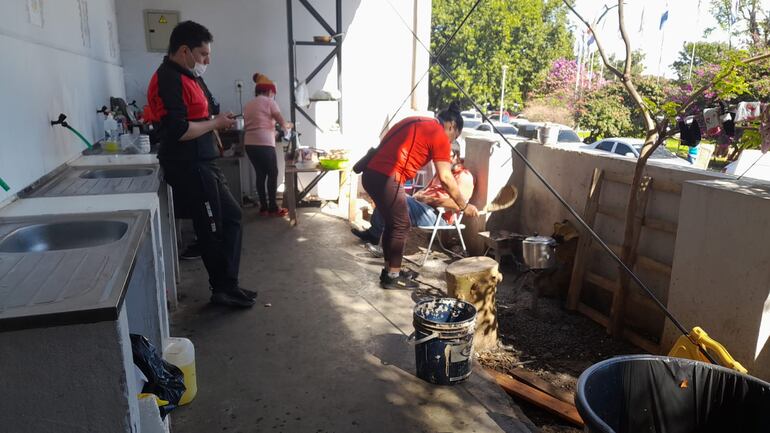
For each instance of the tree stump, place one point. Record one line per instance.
(475, 280)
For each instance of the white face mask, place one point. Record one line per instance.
(199, 69)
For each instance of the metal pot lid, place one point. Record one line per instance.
(544, 240)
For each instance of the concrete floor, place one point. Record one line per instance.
(323, 350)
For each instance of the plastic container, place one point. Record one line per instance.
(143, 143)
(181, 353)
(443, 339)
(646, 393)
(333, 164)
(111, 134)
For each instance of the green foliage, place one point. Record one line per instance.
(750, 25)
(525, 35)
(637, 64)
(611, 112)
(705, 53)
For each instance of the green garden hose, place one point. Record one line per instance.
(88, 143)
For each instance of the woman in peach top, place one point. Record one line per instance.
(260, 116)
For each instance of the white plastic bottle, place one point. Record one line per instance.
(110, 133)
(181, 353)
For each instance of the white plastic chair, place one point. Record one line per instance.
(457, 225)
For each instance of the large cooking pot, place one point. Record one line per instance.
(539, 252)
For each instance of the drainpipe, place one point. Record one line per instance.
(4, 185)
(414, 54)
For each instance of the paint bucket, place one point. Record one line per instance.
(443, 340)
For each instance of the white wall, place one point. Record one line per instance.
(50, 70)
(720, 280)
(251, 35)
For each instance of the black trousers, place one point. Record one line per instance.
(390, 199)
(201, 188)
(265, 164)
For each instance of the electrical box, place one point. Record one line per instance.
(157, 29)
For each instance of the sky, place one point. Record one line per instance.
(642, 18)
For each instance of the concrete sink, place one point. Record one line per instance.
(63, 236)
(116, 173)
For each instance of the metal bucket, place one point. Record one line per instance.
(443, 340)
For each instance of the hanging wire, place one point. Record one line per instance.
(751, 166)
(435, 60)
(432, 57)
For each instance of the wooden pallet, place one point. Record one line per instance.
(619, 288)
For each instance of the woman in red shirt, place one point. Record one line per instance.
(408, 146)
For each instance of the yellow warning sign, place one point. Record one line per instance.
(163, 20)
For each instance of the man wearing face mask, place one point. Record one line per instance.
(178, 95)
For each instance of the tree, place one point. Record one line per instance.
(637, 64)
(526, 35)
(729, 81)
(611, 112)
(748, 21)
(706, 53)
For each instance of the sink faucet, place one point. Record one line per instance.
(62, 120)
(4, 185)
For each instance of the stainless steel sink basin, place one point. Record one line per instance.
(98, 180)
(63, 236)
(58, 270)
(116, 173)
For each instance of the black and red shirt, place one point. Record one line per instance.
(177, 97)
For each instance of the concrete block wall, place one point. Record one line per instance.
(70, 64)
(570, 171)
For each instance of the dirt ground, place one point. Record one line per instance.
(555, 344)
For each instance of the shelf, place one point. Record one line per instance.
(330, 44)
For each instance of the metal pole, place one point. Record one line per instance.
(502, 92)
(579, 63)
(339, 61)
(692, 55)
(292, 72)
(415, 14)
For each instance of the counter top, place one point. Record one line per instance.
(74, 181)
(68, 286)
(95, 160)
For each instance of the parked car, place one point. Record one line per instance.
(504, 128)
(471, 114)
(567, 136)
(471, 123)
(485, 130)
(495, 116)
(518, 121)
(631, 147)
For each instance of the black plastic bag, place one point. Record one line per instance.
(163, 379)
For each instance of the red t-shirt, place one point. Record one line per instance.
(409, 145)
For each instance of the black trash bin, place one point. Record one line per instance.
(658, 394)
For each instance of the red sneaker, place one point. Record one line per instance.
(282, 212)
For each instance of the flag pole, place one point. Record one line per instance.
(692, 55)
